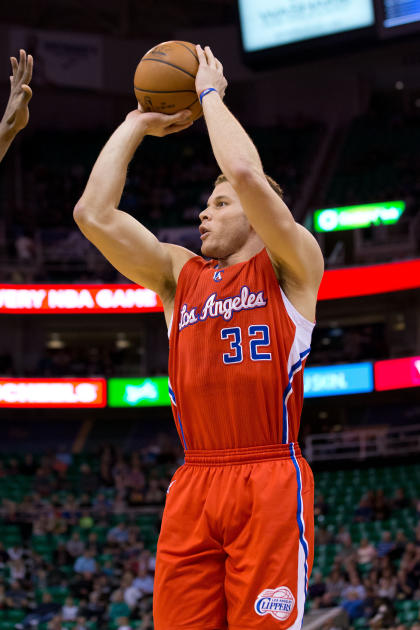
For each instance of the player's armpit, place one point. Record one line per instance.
(133, 250)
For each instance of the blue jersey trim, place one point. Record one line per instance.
(293, 370)
(182, 432)
(299, 513)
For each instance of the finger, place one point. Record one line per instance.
(181, 116)
(219, 65)
(22, 64)
(27, 94)
(14, 63)
(28, 72)
(211, 60)
(201, 55)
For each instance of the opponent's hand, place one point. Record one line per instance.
(16, 115)
(154, 124)
(210, 72)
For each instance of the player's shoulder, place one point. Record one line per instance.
(179, 257)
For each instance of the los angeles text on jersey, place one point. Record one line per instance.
(225, 307)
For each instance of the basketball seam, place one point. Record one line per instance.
(169, 64)
(189, 50)
(164, 91)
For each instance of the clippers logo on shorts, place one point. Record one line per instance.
(278, 602)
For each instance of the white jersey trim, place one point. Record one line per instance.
(299, 320)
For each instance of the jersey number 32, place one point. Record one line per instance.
(258, 338)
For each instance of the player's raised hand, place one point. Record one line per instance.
(154, 124)
(16, 115)
(210, 72)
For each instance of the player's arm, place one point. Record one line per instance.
(16, 114)
(126, 243)
(290, 245)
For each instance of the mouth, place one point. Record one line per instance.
(204, 232)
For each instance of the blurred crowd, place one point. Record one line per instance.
(376, 582)
(85, 537)
(79, 539)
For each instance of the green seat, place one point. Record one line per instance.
(16, 615)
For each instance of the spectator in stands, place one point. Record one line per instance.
(387, 587)
(364, 512)
(118, 534)
(75, 546)
(366, 552)
(88, 480)
(80, 624)
(405, 584)
(69, 610)
(118, 607)
(85, 563)
(81, 586)
(317, 589)
(353, 597)
(399, 500)
(155, 494)
(381, 506)
(144, 581)
(86, 520)
(347, 554)
(383, 615)
(131, 592)
(42, 613)
(94, 610)
(385, 546)
(320, 506)
(17, 570)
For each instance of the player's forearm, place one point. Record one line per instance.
(232, 147)
(107, 179)
(7, 136)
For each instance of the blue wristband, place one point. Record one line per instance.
(204, 92)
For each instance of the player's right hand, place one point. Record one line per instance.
(154, 124)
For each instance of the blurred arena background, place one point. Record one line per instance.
(87, 444)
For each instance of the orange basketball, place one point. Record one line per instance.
(165, 79)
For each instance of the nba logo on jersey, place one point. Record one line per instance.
(218, 275)
(278, 602)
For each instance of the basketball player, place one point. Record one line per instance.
(236, 544)
(16, 114)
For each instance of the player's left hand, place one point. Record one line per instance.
(210, 72)
(16, 115)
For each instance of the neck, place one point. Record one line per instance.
(251, 248)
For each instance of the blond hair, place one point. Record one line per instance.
(274, 185)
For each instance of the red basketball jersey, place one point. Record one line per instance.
(237, 349)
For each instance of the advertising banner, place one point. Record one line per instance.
(397, 373)
(52, 392)
(336, 380)
(138, 392)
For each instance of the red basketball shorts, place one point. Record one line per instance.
(236, 545)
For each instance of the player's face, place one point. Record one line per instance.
(224, 226)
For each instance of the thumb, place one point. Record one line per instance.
(27, 93)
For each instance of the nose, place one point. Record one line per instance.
(204, 215)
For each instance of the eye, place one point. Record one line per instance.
(220, 203)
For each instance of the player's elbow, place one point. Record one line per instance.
(80, 213)
(245, 175)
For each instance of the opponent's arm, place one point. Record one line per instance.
(127, 244)
(290, 245)
(16, 114)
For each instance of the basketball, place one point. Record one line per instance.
(164, 80)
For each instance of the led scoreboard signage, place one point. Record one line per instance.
(362, 216)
